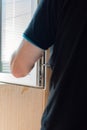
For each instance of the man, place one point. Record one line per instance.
(63, 24)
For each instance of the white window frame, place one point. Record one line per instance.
(9, 78)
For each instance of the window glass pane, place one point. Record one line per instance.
(16, 15)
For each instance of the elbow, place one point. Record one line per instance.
(18, 74)
(20, 68)
(18, 71)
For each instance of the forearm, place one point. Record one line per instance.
(24, 59)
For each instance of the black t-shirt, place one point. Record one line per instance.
(42, 28)
(63, 23)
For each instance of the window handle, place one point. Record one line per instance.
(46, 65)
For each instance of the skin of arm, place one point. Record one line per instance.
(24, 58)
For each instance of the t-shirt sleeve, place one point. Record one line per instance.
(42, 29)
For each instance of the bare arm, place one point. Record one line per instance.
(24, 59)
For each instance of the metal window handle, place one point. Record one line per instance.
(46, 65)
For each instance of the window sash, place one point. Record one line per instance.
(7, 76)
